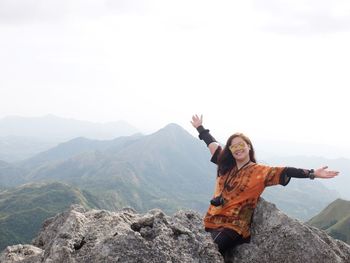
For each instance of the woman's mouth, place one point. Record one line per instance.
(239, 152)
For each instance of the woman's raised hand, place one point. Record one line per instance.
(197, 121)
(324, 173)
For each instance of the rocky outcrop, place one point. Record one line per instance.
(279, 238)
(126, 236)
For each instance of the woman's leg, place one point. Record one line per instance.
(225, 239)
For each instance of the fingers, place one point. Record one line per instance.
(333, 173)
(196, 120)
(329, 174)
(195, 117)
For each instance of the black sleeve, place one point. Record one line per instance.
(214, 158)
(205, 135)
(290, 172)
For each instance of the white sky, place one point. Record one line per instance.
(272, 69)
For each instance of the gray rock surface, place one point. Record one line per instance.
(78, 235)
(279, 238)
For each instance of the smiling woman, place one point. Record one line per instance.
(239, 183)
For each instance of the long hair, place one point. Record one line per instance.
(226, 162)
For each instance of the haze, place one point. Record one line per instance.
(274, 70)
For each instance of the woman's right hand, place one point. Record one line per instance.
(197, 121)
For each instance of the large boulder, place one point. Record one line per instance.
(78, 235)
(279, 238)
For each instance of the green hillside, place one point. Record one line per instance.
(23, 209)
(335, 220)
(341, 230)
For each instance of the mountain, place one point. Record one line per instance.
(24, 209)
(157, 170)
(169, 169)
(75, 147)
(79, 235)
(335, 220)
(51, 127)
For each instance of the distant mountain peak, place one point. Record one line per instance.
(172, 130)
(338, 203)
(173, 126)
(339, 200)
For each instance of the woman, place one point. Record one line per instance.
(239, 183)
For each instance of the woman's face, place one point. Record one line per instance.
(239, 149)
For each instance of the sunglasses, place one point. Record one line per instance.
(237, 146)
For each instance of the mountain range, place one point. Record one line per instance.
(157, 170)
(83, 161)
(145, 171)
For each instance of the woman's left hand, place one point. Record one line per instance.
(324, 173)
(197, 121)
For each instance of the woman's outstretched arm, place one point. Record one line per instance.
(204, 134)
(289, 172)
(282, 175)
(303, 173)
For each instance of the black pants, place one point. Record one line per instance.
(225, 238)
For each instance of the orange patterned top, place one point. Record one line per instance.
(241, 196)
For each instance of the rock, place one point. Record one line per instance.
(22, 253)
(279, 238)
(78, 235)
(125, 236)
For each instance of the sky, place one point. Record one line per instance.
(271, 69)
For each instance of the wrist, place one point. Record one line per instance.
(312, 174)
(200, 129)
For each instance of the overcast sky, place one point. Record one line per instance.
(271, 69)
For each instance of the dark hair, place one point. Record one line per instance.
(226, 162)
